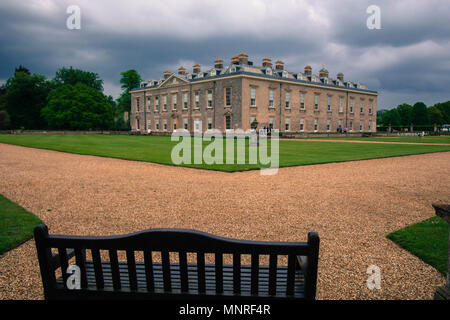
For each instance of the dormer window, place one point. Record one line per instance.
(200, 75)
(325, 81)
(269, 71)
(213, 72)
(284, 74)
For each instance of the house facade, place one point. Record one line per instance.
(244, 96)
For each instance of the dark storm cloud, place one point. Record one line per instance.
(407, 59)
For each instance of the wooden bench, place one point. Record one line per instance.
(148, 279)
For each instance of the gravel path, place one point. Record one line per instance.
(353, 205)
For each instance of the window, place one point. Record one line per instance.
(137, 104)
(209, 123)
(370, 106)
(252, 122)
(328, 125)
(197, 99)
(271, 120)
(228, 122)
(302, 101)
(174, 101)
(186, 123)
(341, 104)
(197, 125)
(370, 125)
(302, 124)
(362, 106)
(271, 93)
(351, 125)
(185, 100)
(157, 124)
(209, 98)
(288, 100)
(287, 125)
(165, 124)
(316, 125)
(329, 103)
(228, 96)
(149, 124)
(165, 103)
(361, 126)
(174, 124)
(149, 103)
(316, 102)
(138, 127)
(253, 97)
(352, 104)
(340, 124)
(156, 103)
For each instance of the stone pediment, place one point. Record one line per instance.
(173, 80)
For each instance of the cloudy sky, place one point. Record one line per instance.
(407, 60)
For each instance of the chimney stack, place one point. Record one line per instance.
(196, 68)
(267, 63)
(167, 74)
(340, 76)
(308, 70)
(235, 60)
(323, 73)
(243, 58)
(279, 65)
(218, 64)
(182, 71)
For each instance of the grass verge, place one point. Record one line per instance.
(16, 225)
(427, 240)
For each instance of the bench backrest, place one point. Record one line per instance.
(182, 242)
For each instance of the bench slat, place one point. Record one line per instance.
(166, 270)
(98, 268)
(148, 262)
(291, 275)
(236, 273)
(131, 261)
(184, 272)
(80, 259)
(201, 271)
(115, 268)
(273, 260)
(255, 273)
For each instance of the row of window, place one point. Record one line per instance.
(185, 124)
(329, 126)
(155, 102)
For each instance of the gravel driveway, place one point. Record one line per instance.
(352, 205)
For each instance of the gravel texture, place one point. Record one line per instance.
(353, 205)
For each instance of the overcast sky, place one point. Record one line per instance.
(407, 60)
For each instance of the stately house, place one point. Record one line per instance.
(243, 96)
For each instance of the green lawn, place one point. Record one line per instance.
(158, 149)
(428, 240)
(438, 139)
(16, 224)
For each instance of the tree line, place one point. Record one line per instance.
(72, 100)
(418, 115)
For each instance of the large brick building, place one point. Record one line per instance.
(243, 96)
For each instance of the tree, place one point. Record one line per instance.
(21, 68)
(391, 117)
(444, 107)
(73, 76)
(435, 115)
(4, 120)
(78, 107)
(130, 80)
(405, 111)
(420, 114)
(24, 98)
